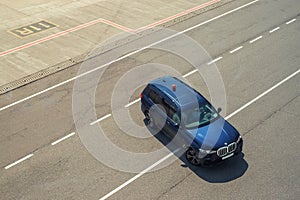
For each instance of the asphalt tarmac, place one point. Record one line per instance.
(255, 47)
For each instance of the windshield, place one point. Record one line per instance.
(199, 116)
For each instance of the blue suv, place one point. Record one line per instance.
(179, 110)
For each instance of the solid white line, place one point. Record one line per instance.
(129, 54)
(255, 39)
(36, 94)
(234, 50)
(275, 29)
(261, 95)
(190, 73)
(215, 60)
(291, 21)
(101, 119)
(138, 175)
(18, 161)
(63, 138)
(130, 104)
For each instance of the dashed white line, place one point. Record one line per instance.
(138, 175)
(291, 21)
(62, 139)
(133, 102)
(18, 161)
(275, 29)
(190, 73)
(215, 60)
(263, 94)
(255, 39)
(236, 49)
(130, 54)
(101, 119)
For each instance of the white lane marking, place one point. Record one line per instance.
(63, 138)
(275, 29)
(138, 175)
(291, 21)
(236, 49)
(227, 117)
(133, 102)
(255, 39)
(36, 94)
(177, 15)
(215, 60)
(18, 161)
(130, 54)
(190, 73)
(101, 119)
(263, 94)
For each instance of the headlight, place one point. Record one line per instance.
(239, 139)
(206, 151)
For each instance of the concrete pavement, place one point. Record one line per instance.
(68, 171)
(36, 55)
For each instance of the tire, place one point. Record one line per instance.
(192, 156)
(150, 120)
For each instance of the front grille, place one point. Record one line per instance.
(222, 151)
(231, 147)
(227, 149)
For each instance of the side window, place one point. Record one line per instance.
(153, 96)
(174, 115)
(171, 112)
(167, 107)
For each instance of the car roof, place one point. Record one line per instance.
(183, 95)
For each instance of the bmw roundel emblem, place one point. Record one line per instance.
(225, 143)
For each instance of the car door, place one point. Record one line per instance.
(157, 111)
(172, 117)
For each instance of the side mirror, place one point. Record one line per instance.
(219, 110)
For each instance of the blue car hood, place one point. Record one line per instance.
(214, 135)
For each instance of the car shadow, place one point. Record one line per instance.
(226, 171)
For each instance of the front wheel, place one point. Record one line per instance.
(192, 156)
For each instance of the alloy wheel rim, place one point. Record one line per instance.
(192, 157)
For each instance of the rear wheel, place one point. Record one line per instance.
(192, 156)
(150, 120)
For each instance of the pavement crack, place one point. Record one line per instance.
(269, 116)
(173, 186)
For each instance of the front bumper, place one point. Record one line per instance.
(214, 159)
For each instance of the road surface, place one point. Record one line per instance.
(256, 50)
